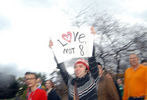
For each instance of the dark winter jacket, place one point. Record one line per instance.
(86, 86)
(52, 95)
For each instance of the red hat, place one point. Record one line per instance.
(84, 62)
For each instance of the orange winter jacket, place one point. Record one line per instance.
(135, 83)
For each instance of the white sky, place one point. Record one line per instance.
(26, 25)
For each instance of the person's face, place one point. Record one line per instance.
(80, 70)
(119, 81)
(133, 60)
(48, 84)
(39, 81)
(30, 80)
(100, 70)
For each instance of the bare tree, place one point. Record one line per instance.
(116, 39)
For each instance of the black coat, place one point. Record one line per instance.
(52, 95)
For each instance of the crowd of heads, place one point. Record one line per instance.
(32, 79)
(81, 68)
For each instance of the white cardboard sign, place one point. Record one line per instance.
(74, 43)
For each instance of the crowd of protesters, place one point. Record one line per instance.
(93, 82)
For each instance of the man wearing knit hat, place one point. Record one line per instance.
(84, 85)
(81, 68)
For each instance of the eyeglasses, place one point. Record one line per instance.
(29, 79)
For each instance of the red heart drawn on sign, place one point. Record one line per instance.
(67, 36)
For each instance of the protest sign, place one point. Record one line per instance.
(74, 43)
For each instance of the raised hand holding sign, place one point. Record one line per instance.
(93, 30)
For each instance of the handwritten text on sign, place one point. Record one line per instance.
(73, 44)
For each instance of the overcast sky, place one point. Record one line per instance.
(27, 25)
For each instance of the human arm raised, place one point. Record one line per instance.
(60, 66)
(92, 60)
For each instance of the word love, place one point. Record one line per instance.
(67, 38)
(71, 37)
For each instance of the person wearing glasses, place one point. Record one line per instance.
(33, 92)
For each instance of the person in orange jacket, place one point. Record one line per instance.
(135, 83)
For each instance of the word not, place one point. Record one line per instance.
(72, 50)
(69, 51)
